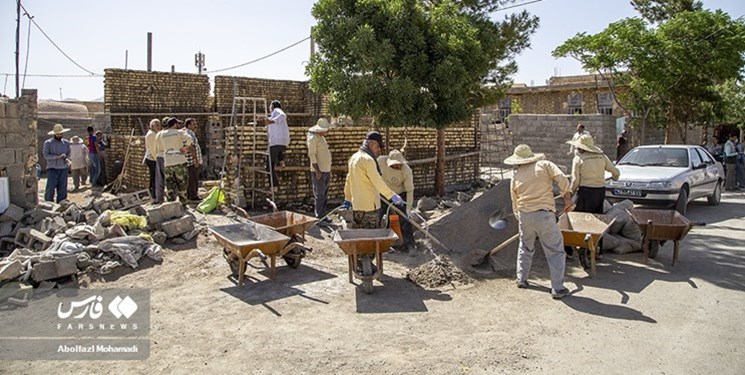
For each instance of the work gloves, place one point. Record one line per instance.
(346, 205)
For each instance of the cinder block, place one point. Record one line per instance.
(6, 228)
(7, 156)
(164, 212)
(177, 227)
(11, 270)
(12, 213)
(60, 267)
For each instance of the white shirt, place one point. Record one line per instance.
(279, 132)
(78, 155)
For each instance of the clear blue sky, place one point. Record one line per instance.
(96, 34)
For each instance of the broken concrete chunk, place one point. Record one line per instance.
(10, 270)
(12, 213)
(32, 239)
(462, 197)
(159, 237)
(90, 217)
(426, 204)
(6, 228)
(177, 227)
(60, 267)
(164, 212)
(191, 234)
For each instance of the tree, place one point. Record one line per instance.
(732, 110)
(415, 62)
(668, 72)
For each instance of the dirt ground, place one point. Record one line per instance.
(632, 318)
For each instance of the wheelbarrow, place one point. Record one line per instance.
(244, 241)
(292, 225)
(584, 230)
(362, 246)
(659, 226)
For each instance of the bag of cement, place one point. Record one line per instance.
(86, 232)
(610, 242)
(632, 230)
(619, 211)
(63, 246)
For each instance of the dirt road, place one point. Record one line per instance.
(632, 318)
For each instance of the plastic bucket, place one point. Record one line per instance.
(394, 224)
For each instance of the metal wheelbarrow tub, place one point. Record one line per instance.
(362, 246)
(243, 241)
(661, 225)
(293, 225)
(584, 230)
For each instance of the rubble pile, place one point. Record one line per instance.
(48, 245)
(437, 273)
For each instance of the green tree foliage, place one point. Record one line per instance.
(659, 11)
(669, 71)
(732, 92)
(414, 62)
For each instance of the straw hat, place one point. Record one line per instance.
(321, 126)
(76, 140)
(395, 157)
(587, 143)
(58, 129)
(523, 155)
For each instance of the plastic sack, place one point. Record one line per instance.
(127, 220)
(214, 198)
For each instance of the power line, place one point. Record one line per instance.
(260, 58)
(28, 48)
(518, 5)
(94, 75)
(53, 43)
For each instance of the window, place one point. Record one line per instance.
(605, 103)
(696, 161)
(705, 156)
(574, 104)
(505, 107)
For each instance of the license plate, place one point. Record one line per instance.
(627, 192)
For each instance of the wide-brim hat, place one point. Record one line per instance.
(395, 157)
(321, 126)
(58, 129)
(587, 143)
(75, 139)
(523, 155)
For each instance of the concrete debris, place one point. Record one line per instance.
(32, 239)
(13, 214)
(131, 248)
(164, 212)
(159, 237)
(60, 267)
(10, 270)
(177, 227)
(462, 197)
(426, 204)
(6, 228)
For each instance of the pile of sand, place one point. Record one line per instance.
(438, 272)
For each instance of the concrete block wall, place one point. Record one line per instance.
(18, 147)
(343, 142)
(548, 134)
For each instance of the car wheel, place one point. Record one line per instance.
(716, 196)
(682, 202)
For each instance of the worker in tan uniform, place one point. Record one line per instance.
(399, 177)
(588, 178)
(531, 190)
(150, 159)
(320, 167)
(364, 184)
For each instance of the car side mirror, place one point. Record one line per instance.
(699, 166)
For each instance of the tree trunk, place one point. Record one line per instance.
(440, 163)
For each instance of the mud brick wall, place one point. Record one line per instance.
(136, 173)
(18, 147)
(548, 134)
(302, 106)
(157, 94)
(343, 142)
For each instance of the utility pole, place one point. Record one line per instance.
(199, 62)
(126, 58)
(149, 52)
(18, 46)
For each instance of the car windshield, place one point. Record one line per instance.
(661, 156)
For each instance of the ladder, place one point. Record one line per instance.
(496, 143)
(244, 121)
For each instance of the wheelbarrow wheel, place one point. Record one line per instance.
(232, 262)
(292, 262)
(367, 272)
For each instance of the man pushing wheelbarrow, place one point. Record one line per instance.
(364, 184)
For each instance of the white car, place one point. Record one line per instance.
(667, 174)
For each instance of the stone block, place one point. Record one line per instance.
(7, 156)
(164, 212)
(12, 213)
(39, 214)
(10, 270)
(6, 228)
(31, 238)
(60, 267)
(177, 227)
